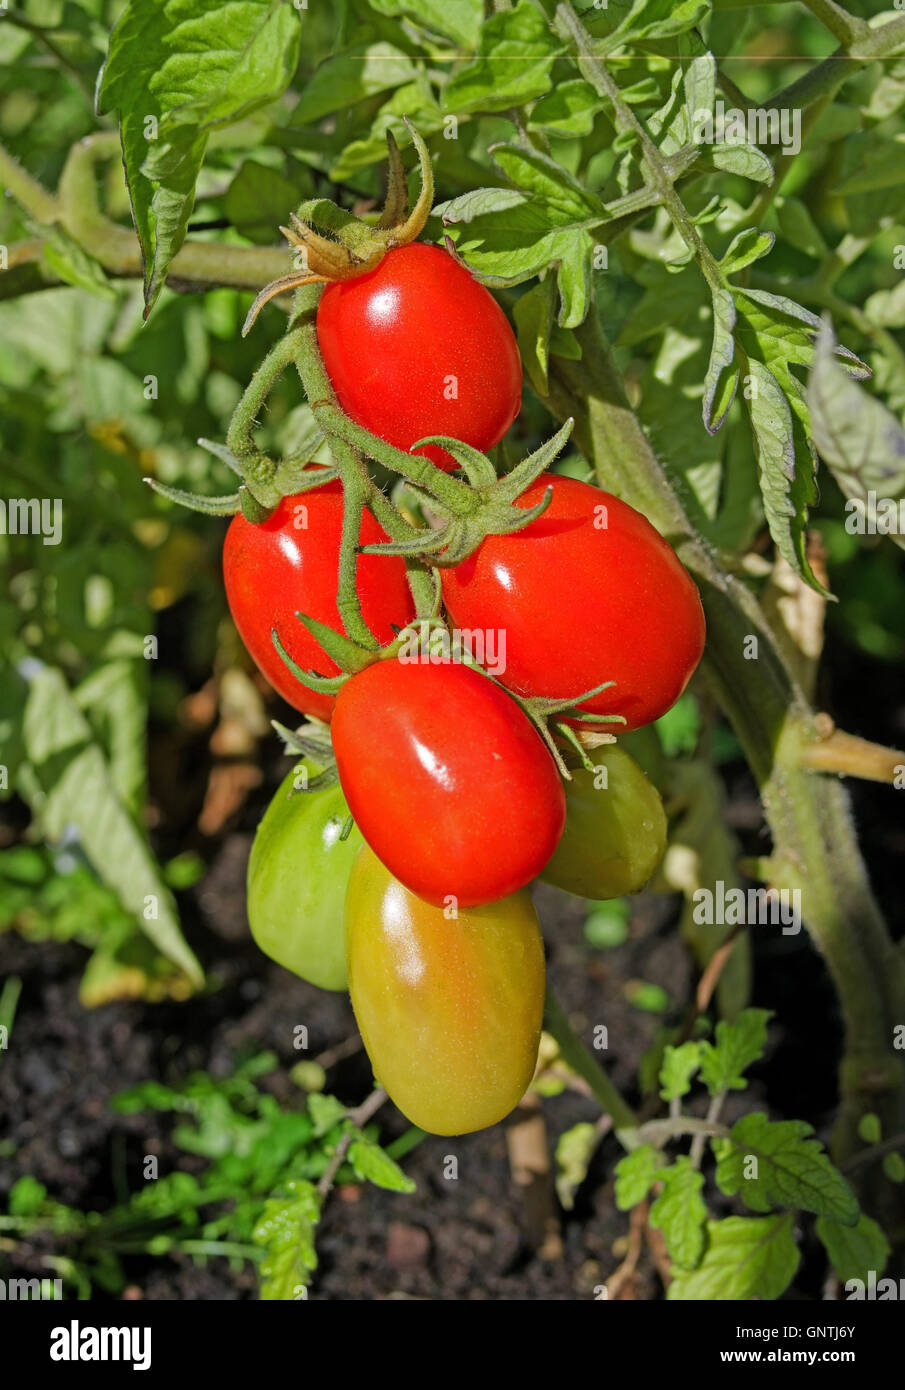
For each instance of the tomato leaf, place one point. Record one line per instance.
(286, 1229)
(737, 1045)
(635, 1175)
(776, 1164)
(171, 77)
(574, 1151)
(680, 1212)
(460, 21)
(679, 1066)
(514, 63)
(721, 380)
(372, 1163)
(746, 1257)
(854, 1250)
(858, 438)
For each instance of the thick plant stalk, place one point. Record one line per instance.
(816, 848)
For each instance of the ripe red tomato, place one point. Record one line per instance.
(589, 592)
(418, 347)
(449, 1009)
(447, 779)
(288, 564)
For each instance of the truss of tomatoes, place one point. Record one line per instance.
(423, 912)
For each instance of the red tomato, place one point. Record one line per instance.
(589, 592)
(288, 564)
(447, 779)
(418, 347)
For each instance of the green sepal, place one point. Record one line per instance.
(225, 455)
(480, 471)
(254, 511)
(510, 487)
(293, 478)
(226, 505)
(349, 656)
(323, 685)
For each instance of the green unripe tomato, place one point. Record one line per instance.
(449, 1007)
(297, 877)
(615, 834)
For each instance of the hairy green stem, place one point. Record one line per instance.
(843, 26)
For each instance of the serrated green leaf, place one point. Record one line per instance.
(185, 71)
(635, 1175)
(860, 441)
(746, 1257)
(681, 1213)
(737, 1045)
(513, 64)
(789, 1169)
(565, 198)
(745, 248)
(574, 1151)
(774, 446)
(373, 1164)
(854, 1250)
(650, 19)
(679, 1066)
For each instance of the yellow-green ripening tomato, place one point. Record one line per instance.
(297, 877)
(449, 1008)
(615, 831)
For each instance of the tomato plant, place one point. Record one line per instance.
(297, 875)
(615, 831)
(587, 593)
(447, 780)
(275, 568)
(449, 1006)
(418, 347)
(632, 273)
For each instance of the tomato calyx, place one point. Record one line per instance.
(487, 506)
(259, 493)
(352, 247)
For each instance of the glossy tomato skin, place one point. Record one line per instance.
(297, 877)
(615, 834)
(288, 564)
(448, 780)
(449, 1009)
(418, 347)
(585, 596)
